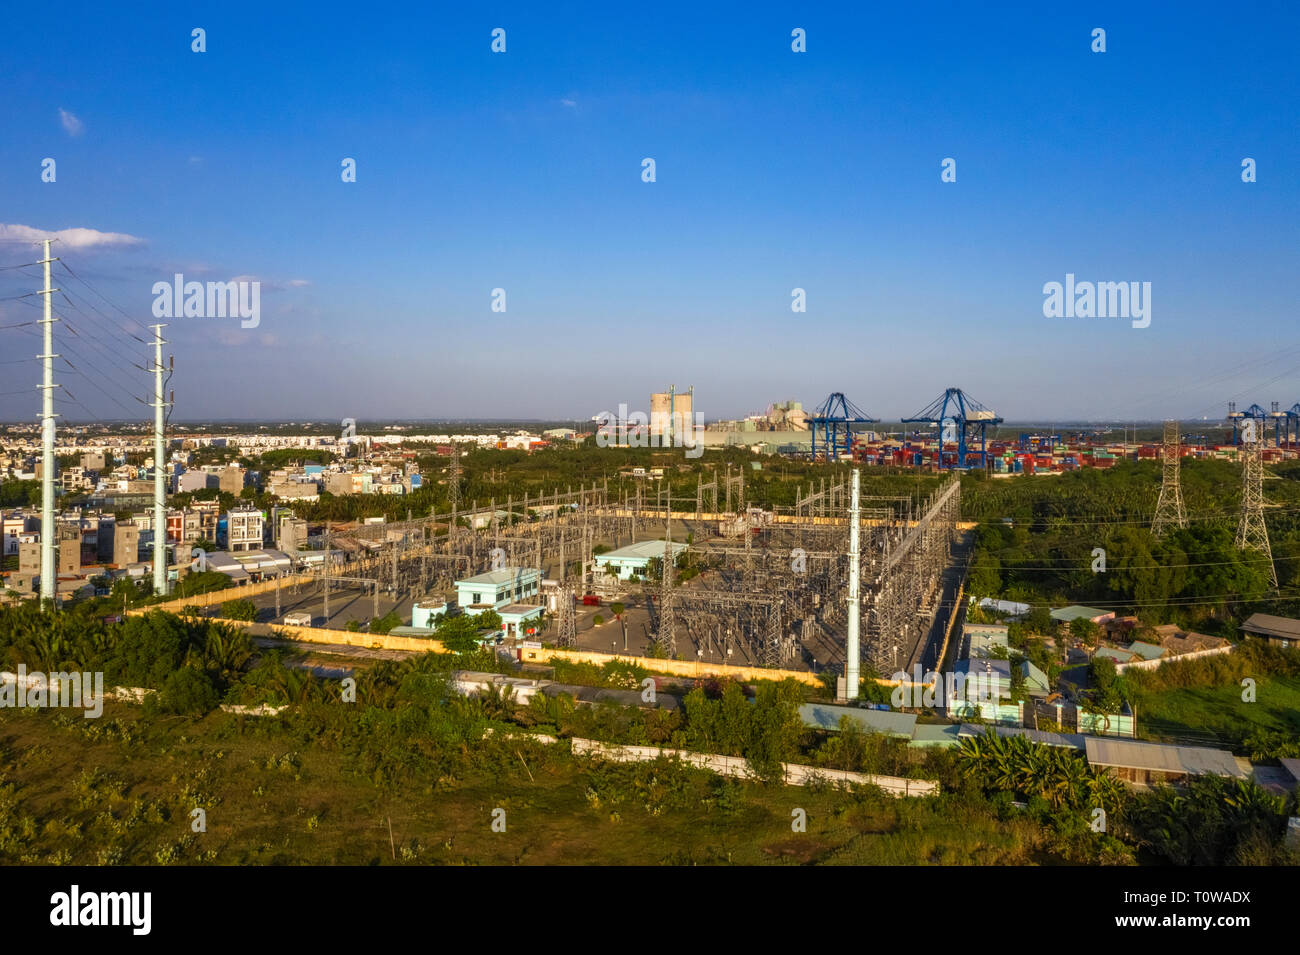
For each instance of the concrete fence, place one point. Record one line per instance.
(794, 774)
(229, 593)
(384, 641)
(1161, 661)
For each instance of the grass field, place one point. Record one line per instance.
(121, 790)
(1221, 711)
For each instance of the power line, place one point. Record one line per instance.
(99, 342)
(104, 297)
(112, 323)
(101, 390)
(1016, 568)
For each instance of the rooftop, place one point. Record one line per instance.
(1068, 740)
(827, 716)
(1000, 667)
(503, 575)
(1161, 758)
(1268, 625)
(642, 550)
(1147, 651)
(518, 610)
(1076, 612)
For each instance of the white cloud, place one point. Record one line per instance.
(231, 337)
(80, 239)
(71, 124)
(569, 102)
(272, 285)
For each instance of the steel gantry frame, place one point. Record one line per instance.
(904, 574)
(959, 417)
(775, 595)
(834, 420)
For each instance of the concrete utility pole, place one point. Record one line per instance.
(159, 487)
(49, 580)
(852, 665)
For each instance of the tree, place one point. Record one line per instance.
(240, 608)
(459, 634)
(618, 608)
(1107, 687)
(985, 577)
(126, 592)
(188, 691)
(1085, 631)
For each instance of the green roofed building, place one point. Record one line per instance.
(1078, 612)
(826, 716)
(1146, 651)
(1036, 680)
(936, 734)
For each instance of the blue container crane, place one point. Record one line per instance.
(959, 418)
(834, 421)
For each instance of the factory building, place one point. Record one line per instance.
(671, 412)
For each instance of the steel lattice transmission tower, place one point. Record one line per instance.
(453, 478)
(1169, 508)
(1252, 534)
(666, 638)
(567, 622)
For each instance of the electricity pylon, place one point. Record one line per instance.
(1169, 508)
(1252, 534)
(566, 617)
(453, 478)
(666, 638)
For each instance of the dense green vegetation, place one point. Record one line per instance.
(317, 781)
(20, 493)
(1207, 698)
(1037, 543)
(1037, 540)
(1209, 821)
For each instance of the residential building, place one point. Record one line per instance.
(126, 543)
(244, 529)
(1283, 631)
(985, 639)
(1074, 612)
(231, 479)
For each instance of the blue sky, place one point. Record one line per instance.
(775, 170)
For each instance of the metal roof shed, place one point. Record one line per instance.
(1161, 758)
(827, 716)
(1063, 740)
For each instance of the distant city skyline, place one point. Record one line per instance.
(774, 171)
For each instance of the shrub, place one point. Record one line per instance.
(241, 608)
(188, 691)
